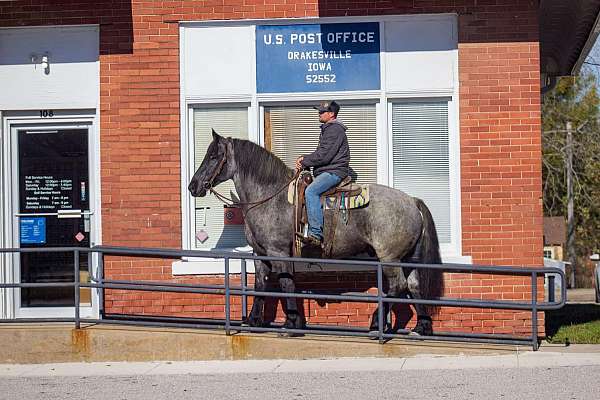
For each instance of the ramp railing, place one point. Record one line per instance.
(99, 282)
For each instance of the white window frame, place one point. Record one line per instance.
(451, 252)
(192, 167)
(382, 98)
(202, 265)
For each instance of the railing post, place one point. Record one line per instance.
(534, 321)
(380, 321)
(227, 299)
(101, 282)
(244, 296)
(89, 265)
(551, 288)
(77, 289)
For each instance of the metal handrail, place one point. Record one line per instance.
(98, 282)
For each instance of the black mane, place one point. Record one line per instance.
(264, 167)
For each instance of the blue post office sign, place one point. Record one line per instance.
(317, 57)
(33, 230)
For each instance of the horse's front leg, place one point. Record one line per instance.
(293, 317)
(261, 274)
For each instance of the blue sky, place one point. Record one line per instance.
(593, 58)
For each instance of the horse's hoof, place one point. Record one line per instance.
(285, 334)
(254, 322)
(420, 331)
(424, 327)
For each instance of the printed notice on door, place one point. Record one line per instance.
(47, 193)
(33, 230)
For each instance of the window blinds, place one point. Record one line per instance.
(421, 157)
(227, 122)
(294, 131)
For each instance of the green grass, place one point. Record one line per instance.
(588, 333)
(574, 323)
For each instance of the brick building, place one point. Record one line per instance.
(107, 106)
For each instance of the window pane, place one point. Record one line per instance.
(208, 213)
(421, 158)
(292, 131)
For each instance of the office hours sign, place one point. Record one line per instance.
(317, 57)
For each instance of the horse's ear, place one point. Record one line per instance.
(216, 136)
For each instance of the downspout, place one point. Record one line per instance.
(551, 83)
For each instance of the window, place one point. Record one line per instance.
(208, 210)
(403, 130)
(549, 252)
(292, 131)
(421, 162)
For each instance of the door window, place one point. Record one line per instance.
(53, 177)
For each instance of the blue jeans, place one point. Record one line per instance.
(321, 184)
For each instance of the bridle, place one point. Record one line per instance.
(208, 185)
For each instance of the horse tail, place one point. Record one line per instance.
(431, 281)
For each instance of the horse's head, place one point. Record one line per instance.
(215, 168)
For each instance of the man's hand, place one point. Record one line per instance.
(299, 166)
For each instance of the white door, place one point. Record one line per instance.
(52, 206)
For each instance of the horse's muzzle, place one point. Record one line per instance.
(196, 190)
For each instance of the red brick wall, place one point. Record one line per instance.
(139, 108)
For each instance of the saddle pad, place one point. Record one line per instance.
(349, 202)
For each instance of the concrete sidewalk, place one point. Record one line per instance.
(580, 296)
(420, 362)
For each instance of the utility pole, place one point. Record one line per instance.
(570, 205)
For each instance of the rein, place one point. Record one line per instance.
(230, 202)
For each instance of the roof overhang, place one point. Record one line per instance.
(568, 31)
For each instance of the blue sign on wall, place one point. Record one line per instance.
(317, 57)
(33, 230)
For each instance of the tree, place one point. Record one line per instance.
(574, 99)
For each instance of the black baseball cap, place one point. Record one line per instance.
(328, 106)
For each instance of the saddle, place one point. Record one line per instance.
(339, 199)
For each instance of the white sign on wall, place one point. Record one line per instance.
(419, 55)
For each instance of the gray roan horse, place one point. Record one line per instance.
(393, 227)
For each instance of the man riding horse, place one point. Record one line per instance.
(393, 226)
(331, 164)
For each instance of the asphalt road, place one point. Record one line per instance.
(571, 382)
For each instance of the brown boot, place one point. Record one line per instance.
(312, 240)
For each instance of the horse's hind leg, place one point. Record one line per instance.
(257, 315)
(424, 325)
(396, 287)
